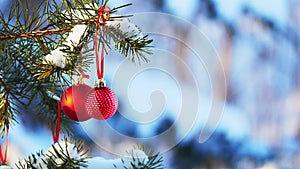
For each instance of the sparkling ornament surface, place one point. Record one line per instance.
(73, 101)
(101, 103)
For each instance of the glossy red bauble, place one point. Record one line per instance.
(73, 101)
(101, 103)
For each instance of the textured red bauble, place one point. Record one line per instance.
(101, 103)
(73, 101)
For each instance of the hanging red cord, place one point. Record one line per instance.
(100, 62)
(55, 135)
(3, 158)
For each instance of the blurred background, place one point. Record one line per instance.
(258, 44)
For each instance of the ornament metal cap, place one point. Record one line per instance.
(100, 83)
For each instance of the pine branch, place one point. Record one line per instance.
(11, 90)
(65, 154)
(5, 115)
(151, 161)
(26, 37)
(130, 44)
(46, 113)
(37, 33)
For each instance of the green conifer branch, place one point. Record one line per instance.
(27, 36)
(58, 158)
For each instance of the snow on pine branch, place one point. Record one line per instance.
(64, 154)
(61, 154)
(136, 156)
(125, 26)
(59, 58)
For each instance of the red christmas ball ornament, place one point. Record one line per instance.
(73, 101)
(101, 103)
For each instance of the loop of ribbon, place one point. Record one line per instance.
(55, 135)
(3, 158)
(100, 62)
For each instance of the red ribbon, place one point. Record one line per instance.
(55, 135)
(3, 158)
(100, 62)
